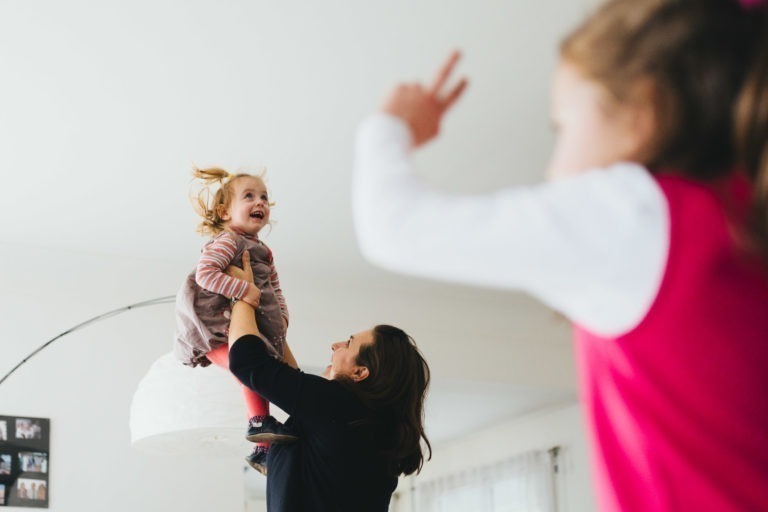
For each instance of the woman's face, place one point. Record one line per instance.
(344, 357)
(593, 130)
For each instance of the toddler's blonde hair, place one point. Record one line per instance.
(214, 196)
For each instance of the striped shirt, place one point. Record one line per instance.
(217, 256)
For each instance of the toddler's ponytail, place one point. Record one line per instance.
(208, 204)
(211, 174)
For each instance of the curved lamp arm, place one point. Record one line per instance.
(114, 312)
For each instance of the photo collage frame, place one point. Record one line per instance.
(24, 461)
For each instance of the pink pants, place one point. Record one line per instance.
(255, 405)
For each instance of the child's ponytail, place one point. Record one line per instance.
(751, 130)
(211, 174)
(211, 205)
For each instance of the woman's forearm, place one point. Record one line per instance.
(288, 357)
(243, 321)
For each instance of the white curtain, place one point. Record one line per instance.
(521, 484)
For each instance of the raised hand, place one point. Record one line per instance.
(421, 107)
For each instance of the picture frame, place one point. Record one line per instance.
(24, 461)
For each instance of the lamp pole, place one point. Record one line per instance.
(103, 316)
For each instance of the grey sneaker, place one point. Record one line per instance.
(270, 431)
(258, 460)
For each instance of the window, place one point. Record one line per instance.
(521, 484)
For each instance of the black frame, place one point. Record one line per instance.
(27, 442)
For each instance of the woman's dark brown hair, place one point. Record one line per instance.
(708, 63)
(394, 392)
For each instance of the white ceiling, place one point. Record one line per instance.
(105, 106)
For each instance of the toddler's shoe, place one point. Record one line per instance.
(269, 431)
(258, 460)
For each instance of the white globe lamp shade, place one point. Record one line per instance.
(177, 408)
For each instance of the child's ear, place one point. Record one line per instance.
(644, 118)
(222, 212)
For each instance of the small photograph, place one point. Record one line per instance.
(41, 492)
(3, 430)
(5, 463)
(2, 494)
(27, 428)
(31, 489)
(22, 489)
(36, 462)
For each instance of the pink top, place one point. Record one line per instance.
(678, 406)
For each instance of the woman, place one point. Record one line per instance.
(359, 428)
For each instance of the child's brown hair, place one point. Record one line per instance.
(707, 63)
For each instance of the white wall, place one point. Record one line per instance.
(256, 504)
(85, 381)
(561, 426)
(85, 386)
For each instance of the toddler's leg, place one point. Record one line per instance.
(256, 407)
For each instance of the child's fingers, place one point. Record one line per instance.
(454, 94)
(444, 74)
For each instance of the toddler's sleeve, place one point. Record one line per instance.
(216, 257)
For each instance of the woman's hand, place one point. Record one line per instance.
(243, 320)
(245, 273)
(253, 295)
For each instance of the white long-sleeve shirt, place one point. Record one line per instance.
(593, 246)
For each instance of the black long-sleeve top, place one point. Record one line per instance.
(335, 466)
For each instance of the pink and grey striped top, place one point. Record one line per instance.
(217, 256)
